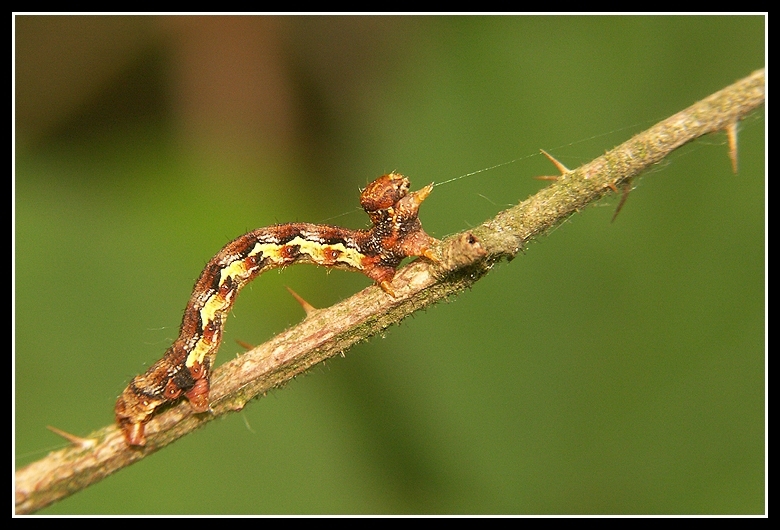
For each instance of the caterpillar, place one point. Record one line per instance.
(185, 368)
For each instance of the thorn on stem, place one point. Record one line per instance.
(304, 304)
(623, 198)
(387, 287)
(563, 169)
(731, 133)
(244, 345)
(84, 443)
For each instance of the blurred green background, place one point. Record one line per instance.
(611, 368)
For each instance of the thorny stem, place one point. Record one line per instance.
(464, 259)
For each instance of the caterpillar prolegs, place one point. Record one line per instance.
(185, 368)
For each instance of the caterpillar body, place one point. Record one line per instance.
(185, 368)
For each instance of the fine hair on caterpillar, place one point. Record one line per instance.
(185, 368)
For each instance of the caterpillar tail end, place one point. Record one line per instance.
(134, 434)
(132, 430)
(132, 412)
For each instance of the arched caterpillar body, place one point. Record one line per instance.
(185, 368)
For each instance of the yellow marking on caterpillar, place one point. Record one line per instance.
(348, 256)
(273, 252)
(313, 249)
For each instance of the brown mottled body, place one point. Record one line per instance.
(396, 233)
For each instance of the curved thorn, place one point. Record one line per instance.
(623, 198)
(304, 304)
(84, 443)
(563, 169)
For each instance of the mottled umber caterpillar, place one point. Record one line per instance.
(396, 233)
